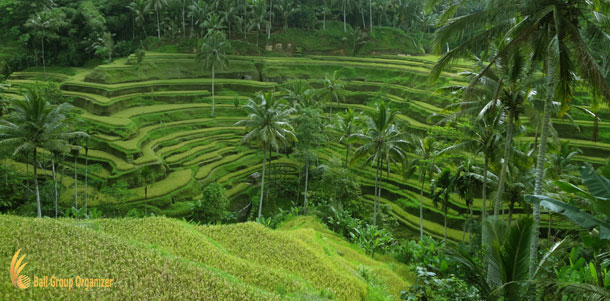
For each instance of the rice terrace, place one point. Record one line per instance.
(305, 149)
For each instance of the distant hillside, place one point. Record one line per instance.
(162, 258)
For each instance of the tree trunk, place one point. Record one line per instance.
(38, 209)
(422, 178)
(183, 22)
(362, 15)
(260, 204)
(344, 16)
(507, 153)
(445, 217)
(306, 185)
(158, 25)
(144, 29)
(540, 166)
(75, 184)
(213, 102)
(324, 18)
(371, 14)
(484, 193)
(44, 66)
(375, 198)
(347, 154)
(270, 24)
(86, 175)
(54, 183)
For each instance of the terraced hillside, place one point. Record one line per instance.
(156, 114)
(161, 258)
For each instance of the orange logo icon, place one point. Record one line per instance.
(22, 281)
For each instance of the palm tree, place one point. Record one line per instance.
(446, 183)
(427, 151)
(139, 10)
(334, 89)
(212, 53)
(286, 9)
(34, 124)
(550, 30)
(345, 6)
(344, 127)
(198, 12)
(381, 142)
(157, 5)
(43, 22)
(267, 123)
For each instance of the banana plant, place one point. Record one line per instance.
(597, 194)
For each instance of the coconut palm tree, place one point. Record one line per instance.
(268, 124)
(139, 10)
(426, 149)
(334, 89)
(157, 5)
(34, 125)
(551, 32)
(44, 23)
(381, 142)
(213, 54)
(344, 127)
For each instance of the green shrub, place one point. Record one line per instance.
(212, 207)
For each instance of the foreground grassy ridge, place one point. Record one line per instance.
(167, 259)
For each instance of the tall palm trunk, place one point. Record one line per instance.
(445, 216)
(44, 66)
(422, 178)
(260, 204)
(306, 185)
(270, 24)
(158, 24)
(183, 22)
(144, 29)
(484, 196)
(38, 209)
(86, 176)
(546, 119)
(324, 18)
(213, 102)
(375, 198)
(344, 16)
(75, 184)
(371, 14)
(54, 183)
(347, 154)
(507, 152)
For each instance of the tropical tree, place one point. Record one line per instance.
(381, 142)
(551, 32)
(442, 187)
(34, 125)
(44, 24)
(157, 5)
(344, 127)
(213, 54)
(139, 10)
(268, 124)
(198, 12)
(427, 150)
(309, 133)
(334, 89)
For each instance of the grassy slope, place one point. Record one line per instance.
(161, 258)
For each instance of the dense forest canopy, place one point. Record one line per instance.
(331, 149)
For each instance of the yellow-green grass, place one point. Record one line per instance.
(325, 270)
(207, 170)
(214, 155)
(189, 142)
(198, 150)
(108, 89)
(251, 169)
(412, 122)
(167, 259)
(63, 248)
(148, 153)
(174, 181)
